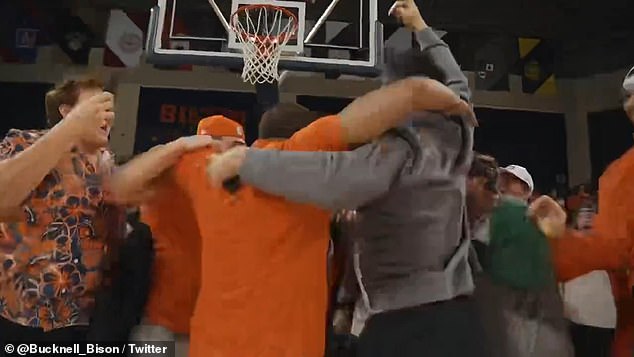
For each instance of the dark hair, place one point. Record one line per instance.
(67, 93)
(284, 120)
(485, 166)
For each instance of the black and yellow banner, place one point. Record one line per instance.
(536, 66)
(494, 57)
(493, 61)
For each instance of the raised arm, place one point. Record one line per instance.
(23, 166)
(432, 57)
(130, 182)
(442, 64)
(342, 180)
(369, 116)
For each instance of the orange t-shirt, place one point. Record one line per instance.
(176, 270)
(264, 286)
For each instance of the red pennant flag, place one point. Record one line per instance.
(125, 38)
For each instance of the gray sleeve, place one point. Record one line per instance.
(439, 60)
(332, 180)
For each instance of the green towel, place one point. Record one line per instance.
(518, 253)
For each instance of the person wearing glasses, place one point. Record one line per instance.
(515, 287)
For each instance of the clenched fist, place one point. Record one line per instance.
(407, 12)
(549, 216)
(223, 166)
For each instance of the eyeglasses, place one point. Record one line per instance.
(492, 185)
(487, 172)
(486, 167)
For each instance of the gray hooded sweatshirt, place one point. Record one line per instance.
(408, 187)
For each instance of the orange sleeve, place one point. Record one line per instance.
(609, 245)
(324, 134)
(576, 254)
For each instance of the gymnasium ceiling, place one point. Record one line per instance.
(540, 18)
(595, 36)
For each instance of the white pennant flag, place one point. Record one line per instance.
(124, 38)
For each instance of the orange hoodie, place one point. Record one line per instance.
(608, 247)
(176, 271)
(263, 266)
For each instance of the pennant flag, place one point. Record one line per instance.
(493, 61)
(536, 66)
(74, 37)
(124, 39)
(22, 33)
(7, 32)
(26, 44)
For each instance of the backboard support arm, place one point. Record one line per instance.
(221, 17)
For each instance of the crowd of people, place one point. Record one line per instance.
(376, 231)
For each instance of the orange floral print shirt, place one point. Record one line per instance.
(51, 261)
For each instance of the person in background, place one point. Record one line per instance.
(58, 192)
(176, 271)
(589, 303)
(578, 198)
(120, 302)
(516, 181)
(340, 340)
(482, 197)
(609, 245)
(516, 291)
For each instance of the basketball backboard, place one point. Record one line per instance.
(341, 36)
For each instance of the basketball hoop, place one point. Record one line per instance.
(263, 30)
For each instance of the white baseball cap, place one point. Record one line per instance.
(521, 173)
(628, 82)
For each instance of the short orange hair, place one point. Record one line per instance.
(67, 93)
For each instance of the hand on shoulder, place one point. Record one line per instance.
(223, 166)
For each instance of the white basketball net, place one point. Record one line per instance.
(263, 31)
